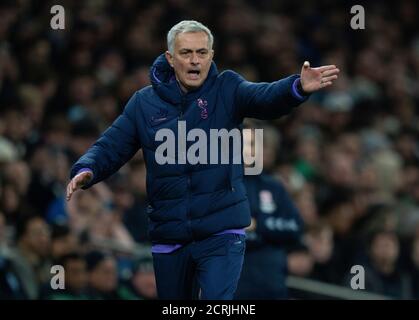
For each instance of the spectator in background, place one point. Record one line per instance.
(11, 287)
(414, 267)
(16, 179)
(275, 225)
(327, 263)
(308, 157)
(103, 282)
(10, 203)
(85, 210)
(98, 215)
(83, 132)
(30, 257)
(377, 217)
(3, 234)
(306, 204)
(142, 283)
(299, 261)
(63, 241)
(383, 273)
(338, 211)
(10, 284)
(135, 218)
(19, 175)
(340, 169)
(76, 279)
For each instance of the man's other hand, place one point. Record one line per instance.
(77, 182)
(252, 226)
(313, 79)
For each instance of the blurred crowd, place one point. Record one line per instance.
(349, 156)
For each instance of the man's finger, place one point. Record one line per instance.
(326, 84)
(69, 192)
(78, 182)
(328, 79)
(69, 188)
(325, 68)
(330, 72)
(306, 65)
(75, 185)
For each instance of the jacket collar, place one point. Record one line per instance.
(164, 82)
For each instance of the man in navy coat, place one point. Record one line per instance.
(197, 210)
(276, 226)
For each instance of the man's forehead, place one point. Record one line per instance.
(192, 40)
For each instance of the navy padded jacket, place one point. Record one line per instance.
(188, 202)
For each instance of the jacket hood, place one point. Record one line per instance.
(161, 72)
(163, 80)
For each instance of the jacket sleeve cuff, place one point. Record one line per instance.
(85, 170)
(296, 92)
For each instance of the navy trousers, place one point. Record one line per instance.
(208, 269)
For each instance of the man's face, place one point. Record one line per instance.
(37, 237)
(321, 245)
(104, 277)
(64, 245)
(385, 249)
(145, 283)
(76, 274)
(191, 59)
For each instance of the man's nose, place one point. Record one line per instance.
(194, 59)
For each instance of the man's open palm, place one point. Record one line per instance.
(313, 79)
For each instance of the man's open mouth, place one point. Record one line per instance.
(194, 72)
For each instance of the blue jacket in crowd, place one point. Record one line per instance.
(278, 225)
(188, 202)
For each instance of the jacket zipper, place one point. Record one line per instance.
(182, 108)
(181, 112)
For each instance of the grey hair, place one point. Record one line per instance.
(187, 26)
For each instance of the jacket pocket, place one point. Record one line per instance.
(236, 245)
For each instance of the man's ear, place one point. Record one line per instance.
(169, 58)
(212, 54)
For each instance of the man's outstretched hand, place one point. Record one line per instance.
(313, 79)
(77, 182)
